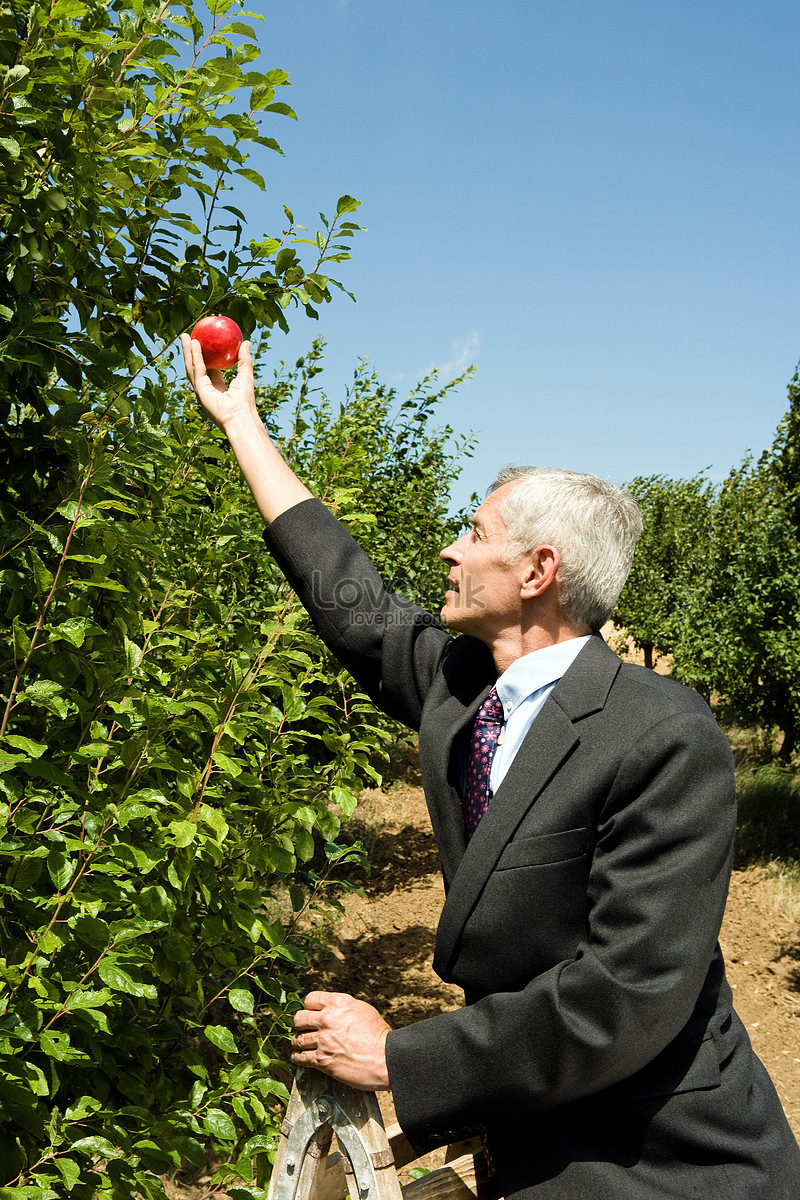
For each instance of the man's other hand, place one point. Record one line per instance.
(343, 1037)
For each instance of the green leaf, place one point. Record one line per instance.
(345, 799)
(92, 930)
(89, 998)
(57, 1046)
(210, 816)
(253, 177)
(73, 630)
(44, 693)
(133, 812)
(184, 832)
(82, 1107)
(261, 1141)
(189, 1148)
(242, 1000)
(108, 585)
(96, 1145)
(8, 762)
(69, 1170)
(219, 1125)
(227, 765)
(31, 748)
(220, 1036)
(119, 980)
(61, 867)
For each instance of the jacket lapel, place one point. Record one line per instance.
(439, 765)
(551, 739)
(468, 674)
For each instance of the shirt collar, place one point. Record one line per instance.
(536, 670)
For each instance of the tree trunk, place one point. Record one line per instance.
(789, 742)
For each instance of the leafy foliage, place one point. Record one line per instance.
(176, 756)
(768, 824)
(669, 556)
(386, 472)
(115, 163)
(716, 582)
(740, 620)
(166, 809)
(382, 451)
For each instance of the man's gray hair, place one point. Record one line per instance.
(593, 524)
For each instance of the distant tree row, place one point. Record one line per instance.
(716, 582)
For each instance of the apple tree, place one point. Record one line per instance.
(740, 618)
(669, 557)
(386, 455)
(175, 756)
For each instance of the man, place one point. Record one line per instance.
(584, 811)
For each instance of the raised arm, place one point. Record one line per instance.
(272, 481)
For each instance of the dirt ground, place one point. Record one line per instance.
(381, 949)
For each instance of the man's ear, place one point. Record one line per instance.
(542, 568)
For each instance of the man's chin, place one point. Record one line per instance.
(450, 616)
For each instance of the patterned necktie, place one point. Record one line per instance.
(483, 743)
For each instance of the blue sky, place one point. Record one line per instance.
(595, 201)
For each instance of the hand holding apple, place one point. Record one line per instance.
(233, 408)
(220, 338)
(224, 403)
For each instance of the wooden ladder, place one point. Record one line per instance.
(369, 1156)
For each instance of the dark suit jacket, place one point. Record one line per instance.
(598, 1046)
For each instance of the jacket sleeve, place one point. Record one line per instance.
(645, 977)
(391, 647)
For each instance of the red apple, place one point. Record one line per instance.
(220, 339)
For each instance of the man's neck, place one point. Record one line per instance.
(514, 644)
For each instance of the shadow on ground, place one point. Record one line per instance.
(398, 857)
(390, 970)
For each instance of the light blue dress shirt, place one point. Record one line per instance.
(523, 689)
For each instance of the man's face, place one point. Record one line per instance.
(483, 596)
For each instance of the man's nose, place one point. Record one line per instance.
(451, 553)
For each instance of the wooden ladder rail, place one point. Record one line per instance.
(369, 1156)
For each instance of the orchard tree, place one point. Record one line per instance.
(782, 461)
(385, 453)
(670, 556)
(740, 621)
(117, 229)
(175, 756)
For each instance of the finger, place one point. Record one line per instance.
(193, 358)
(195, 363)
(306, 1020)
(186, 346)
(244, 369)
(200, 371)
(305, 1058)
(304, 1041)
(318, 1000)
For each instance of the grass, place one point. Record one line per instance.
(784, 880)
(768, 824)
